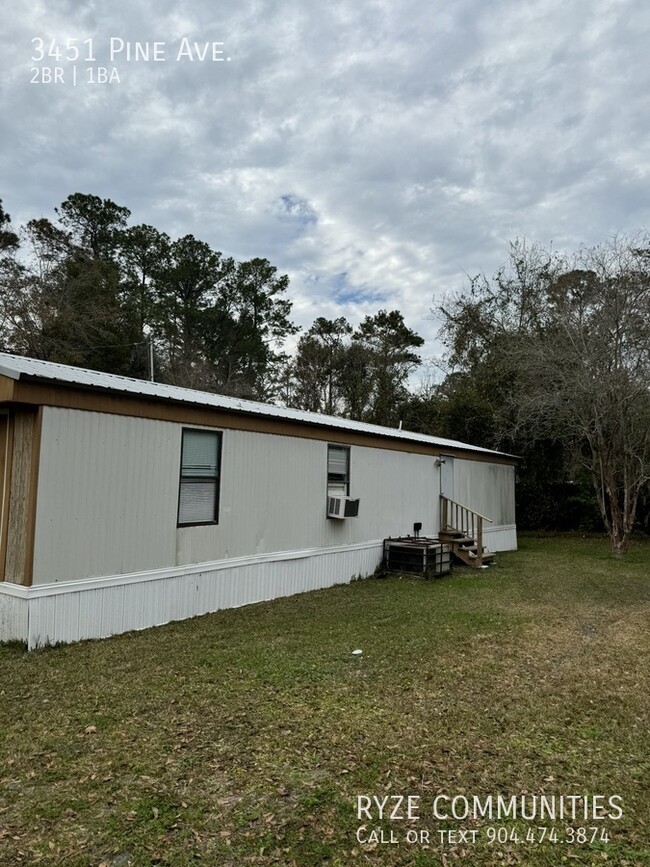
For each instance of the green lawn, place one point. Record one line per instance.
(245, 736)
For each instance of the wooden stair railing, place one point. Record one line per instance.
(456, 518)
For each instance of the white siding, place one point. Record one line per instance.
(108, 496)
(273, 497)
(486, 488)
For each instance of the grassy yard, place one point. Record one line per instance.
(244, 737)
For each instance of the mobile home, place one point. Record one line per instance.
(128, 504)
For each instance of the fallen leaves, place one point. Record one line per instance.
(244, 737)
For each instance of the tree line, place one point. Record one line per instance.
(548, 359)
(88, 289)
(553, 356)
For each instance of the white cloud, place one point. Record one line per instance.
(377, 152)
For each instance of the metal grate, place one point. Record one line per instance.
(417, 556)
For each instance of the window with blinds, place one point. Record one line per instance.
(198, 498)
(338, 471)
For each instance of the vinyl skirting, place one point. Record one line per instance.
(70, 611)
(98, 607)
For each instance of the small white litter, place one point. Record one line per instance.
(357, 652)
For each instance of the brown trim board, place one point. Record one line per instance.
(33, 492)
(45, 394)
(6, 388)
(5, 493)
(22, 502)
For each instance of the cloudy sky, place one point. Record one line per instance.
(376, 151)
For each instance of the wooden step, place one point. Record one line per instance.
(469, 556)
(457, 539)
(487, 555)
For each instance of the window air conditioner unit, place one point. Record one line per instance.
(342, 507)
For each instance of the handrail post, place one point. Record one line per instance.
(455, 518)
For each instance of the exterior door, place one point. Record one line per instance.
(447, 476)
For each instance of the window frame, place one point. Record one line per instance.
(216, 479)
(346, 449)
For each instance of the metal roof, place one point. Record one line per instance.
(17, 367)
